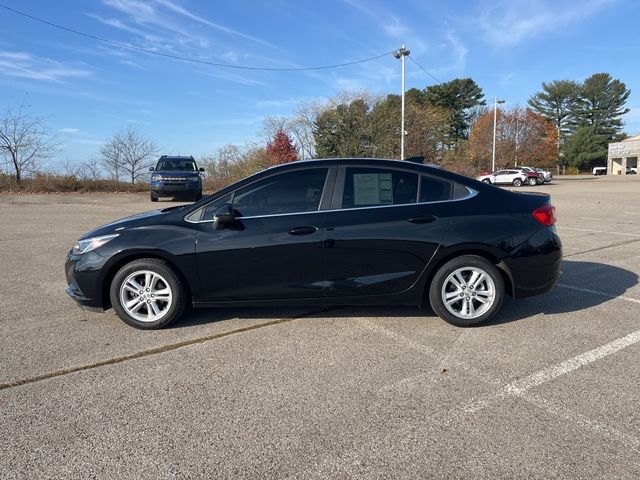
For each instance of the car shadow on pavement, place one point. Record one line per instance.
(611, 281)
(583, 285)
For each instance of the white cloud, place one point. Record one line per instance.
(33, 67)
(68, 130)
(174, 7)
(509, 23)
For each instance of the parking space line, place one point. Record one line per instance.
(597, 292)
(157, 350)
(626, 242)
(520, 387)
(516, 389)
(599, 231)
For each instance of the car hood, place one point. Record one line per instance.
(152, 217)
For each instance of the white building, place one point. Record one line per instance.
(623, 155)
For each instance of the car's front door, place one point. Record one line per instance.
(501, 177)
(273, 250)
(379, 238)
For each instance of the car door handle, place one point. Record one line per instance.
(423, 219)
(306, 230)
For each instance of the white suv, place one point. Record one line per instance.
(513, 177)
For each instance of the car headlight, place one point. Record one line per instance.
(155, 177)
(88, 244)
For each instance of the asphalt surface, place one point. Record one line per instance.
(549, 389)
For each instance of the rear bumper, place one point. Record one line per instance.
(536, 265)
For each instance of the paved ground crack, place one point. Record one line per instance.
(157, 350)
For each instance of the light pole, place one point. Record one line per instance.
(400, 54)
(495, 121)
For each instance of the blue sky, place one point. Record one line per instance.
(88, 90)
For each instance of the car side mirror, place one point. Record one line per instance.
(151, 169)
(201, 169)
(223, 216)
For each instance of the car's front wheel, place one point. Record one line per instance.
(486, 180)
(147, 294)
(517, 182)
(466, 291)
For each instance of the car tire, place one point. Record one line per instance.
(197, 197)
(455, 277)
(161, 294)
(153, 197)
(517, 182)
(533, 181)
(486, 180)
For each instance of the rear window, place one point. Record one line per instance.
(438, 190)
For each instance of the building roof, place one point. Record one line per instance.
(635, 138)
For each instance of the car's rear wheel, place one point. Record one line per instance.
(147, 294)
(533, 181)
(517, 182)
(197, 197)
(466, 291)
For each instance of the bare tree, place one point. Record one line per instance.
(128, 152)
(69, 169)
(90, 170)
(111, 158)
(25, 141)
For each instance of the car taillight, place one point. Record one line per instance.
(546, 215)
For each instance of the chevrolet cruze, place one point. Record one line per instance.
(325, 232)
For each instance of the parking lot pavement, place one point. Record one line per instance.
(548, 389)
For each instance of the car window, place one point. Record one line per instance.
(434, 189)
(368, 187)
(290, 192)
(459, 191)
(210, 211)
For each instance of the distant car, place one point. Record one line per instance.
(632, 170)
(533, 176)
(546, 174)
(516, 178)
(177, 177)
(325, 232)
(599, 170)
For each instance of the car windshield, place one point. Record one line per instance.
(178, 164)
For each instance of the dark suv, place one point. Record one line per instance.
(176, 177)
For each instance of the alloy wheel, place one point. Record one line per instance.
(146, 296)
(468, 292)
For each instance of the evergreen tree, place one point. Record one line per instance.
(586, 148)
(459, 96)
(601, 104)
(557, 103)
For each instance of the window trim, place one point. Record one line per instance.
(336, 189)
(328, 186)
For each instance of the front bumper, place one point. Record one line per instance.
(83, 279)
(163, 188)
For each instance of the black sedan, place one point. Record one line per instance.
(325, 232)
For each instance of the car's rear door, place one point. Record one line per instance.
(274, 250)
(378, 237)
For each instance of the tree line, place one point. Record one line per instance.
(566, 123)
